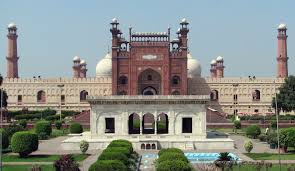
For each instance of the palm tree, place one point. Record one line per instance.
(223, 160)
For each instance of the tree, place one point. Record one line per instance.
(248, 146)
(286, 95)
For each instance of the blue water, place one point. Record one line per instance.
(196, 157)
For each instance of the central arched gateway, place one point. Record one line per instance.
(149, 82)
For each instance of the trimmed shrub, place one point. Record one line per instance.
(273, 124)
(108, 165)
(114, 156)
(5, 139)
(174, 166)
(11, 129)
(263, 137)
(253, 131)
(122, 150)
(69, 112)
(24, 143)
(171, 156)
(23, 123)
(28, 116)
(43, 129)
(58, 124)
(76, 128)
(170, 150)
(122, 143)
(66, 163)
(84, 146)
(237, 124)
(248, 146)
(54, 117)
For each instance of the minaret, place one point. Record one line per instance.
(219, 67)
(183, 36)
(115, 48)
(213, 68)
(83, 69)
(282, 59)
(12, 58)
(76, 67)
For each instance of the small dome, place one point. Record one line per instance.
(114, 20)
(213, 62)
(219, 59)
(104, 66)
(184, 20)
(193, 66)
(11, 25)
(76, 58)
(83, 62)
(282, 26)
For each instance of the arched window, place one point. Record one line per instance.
(123, 80)
(175, 92)
(175, 80)
(41, 96)
(83, 95)
(214, 95)
(256, 95)
(142, 146)
(153, 146)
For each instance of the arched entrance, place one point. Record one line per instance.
(162, 124)
(148, 124)
(149, 82)
(134, 124)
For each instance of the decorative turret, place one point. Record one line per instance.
(12, 58)
(219, 67)
(76, 67)
(213, 69)
(83, 69)
(282, 58)
(183, 35)
(116, 33)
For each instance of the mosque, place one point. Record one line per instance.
(149, 63)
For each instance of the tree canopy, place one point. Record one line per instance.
(286, 95)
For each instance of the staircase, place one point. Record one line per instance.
(189, 146)
(83, 118)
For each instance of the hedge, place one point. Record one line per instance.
(170, 150)
(43, 129)
(76, 128)
(122, 143)
(58, 124)
(13, 128)
(5, 139)
(174, 166)
(54, 117)
(69, 112)
(171, 156)
(253, 131)
(108, 165)
(114, 156)
(23, 123)
(24, 143)
(122, 150)
(33, 114)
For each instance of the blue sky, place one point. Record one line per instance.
(52, 32)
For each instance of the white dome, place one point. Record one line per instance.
(219, 59)
(83, 62)
(193, 66)
(184, 20)
(282, 26)
(104, 66)
(11, 25)
(115, 20)
(76, 58)
(213, 62)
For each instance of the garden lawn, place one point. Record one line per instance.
(27, 167)
(40, 158)
(270, 156)
(275, 167)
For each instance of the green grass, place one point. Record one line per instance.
(27, 167)
(270, 156)
(40, 158)
(275, 167)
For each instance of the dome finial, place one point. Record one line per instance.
(11, 25)
(282, 26)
